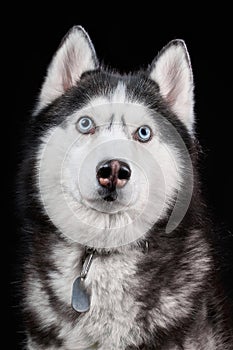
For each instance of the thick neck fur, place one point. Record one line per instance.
(146, 290)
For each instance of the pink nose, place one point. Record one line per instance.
(113, 174)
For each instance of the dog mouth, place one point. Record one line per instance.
(108, 195)
(109, 201)
(107, 205)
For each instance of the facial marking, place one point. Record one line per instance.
(111, 121)
(125, 127)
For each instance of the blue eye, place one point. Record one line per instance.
(143, 134)
(86, 125)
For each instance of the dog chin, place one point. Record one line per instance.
(105, 206)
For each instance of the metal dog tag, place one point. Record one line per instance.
(80, 297)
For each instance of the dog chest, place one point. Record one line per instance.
(112, 316)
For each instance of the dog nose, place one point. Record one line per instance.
(113, 174)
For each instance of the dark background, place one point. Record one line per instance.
(127, 42)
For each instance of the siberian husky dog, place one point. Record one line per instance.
(118, 251)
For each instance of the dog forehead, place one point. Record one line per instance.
(116, 104)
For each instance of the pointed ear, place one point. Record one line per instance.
(172, 71)
(75, 56)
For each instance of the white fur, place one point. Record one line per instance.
(67, 260)
(172, 72)
(74, 57)
(111, 319)
(67, 164)
(38, 300)
(119, 94)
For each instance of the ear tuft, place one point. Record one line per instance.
(74, 56)
(171, 70)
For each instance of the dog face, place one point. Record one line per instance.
(111, 158)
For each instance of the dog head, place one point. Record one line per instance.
(114, 149)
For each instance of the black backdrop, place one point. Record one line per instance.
(128, 45)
